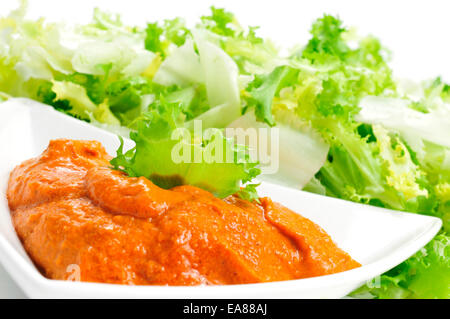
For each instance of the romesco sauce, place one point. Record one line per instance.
(70, 208)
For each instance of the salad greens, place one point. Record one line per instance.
(348, 128)
(206, 157)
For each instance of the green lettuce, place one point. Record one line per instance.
(171, 158)
(424, 275)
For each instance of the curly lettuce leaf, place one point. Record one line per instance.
(252, 54)
(161, 37)
(264, 89)
(423, 276)
(170, 158)
(80, 104)
(403, 174)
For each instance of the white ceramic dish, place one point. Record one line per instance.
(378, 238)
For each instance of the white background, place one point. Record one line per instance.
(417, 32)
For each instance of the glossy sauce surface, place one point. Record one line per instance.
(69, 208)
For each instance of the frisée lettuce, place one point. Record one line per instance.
(172, 158)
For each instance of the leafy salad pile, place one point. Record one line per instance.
(348, 129)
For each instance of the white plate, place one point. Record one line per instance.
(378, 238)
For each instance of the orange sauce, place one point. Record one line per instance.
(69, 208)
